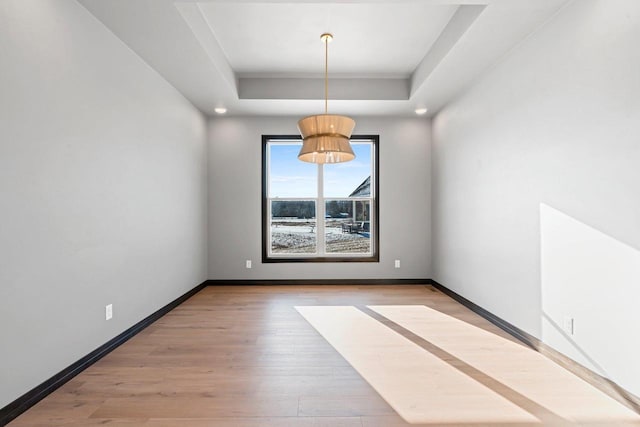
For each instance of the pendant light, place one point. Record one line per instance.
(326, 136)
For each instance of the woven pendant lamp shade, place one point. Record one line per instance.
(326, 139)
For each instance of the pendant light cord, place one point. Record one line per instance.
(326, 74)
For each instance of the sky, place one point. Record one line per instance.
(291, 177)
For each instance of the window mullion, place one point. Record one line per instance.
(320, 211)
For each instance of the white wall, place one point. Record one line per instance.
(557, 123)
(235, 201)
(102, 190)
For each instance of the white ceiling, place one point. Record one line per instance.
(284, 39)
(265, 56)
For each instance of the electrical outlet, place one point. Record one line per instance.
(108, 312)
(248, 263)
(397, 263)
(569, 325)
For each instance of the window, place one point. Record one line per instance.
(319, 213)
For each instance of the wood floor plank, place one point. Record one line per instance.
(337, 406)
(259, 422)
(206, 405)
(81, 422)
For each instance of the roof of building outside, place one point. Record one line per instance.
(363, 190)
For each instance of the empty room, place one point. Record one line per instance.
(322, 213)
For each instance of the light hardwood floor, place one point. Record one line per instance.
(244, 356)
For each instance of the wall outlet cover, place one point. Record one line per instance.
(568, 325)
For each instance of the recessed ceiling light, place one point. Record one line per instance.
(220, 110)
(422, 110)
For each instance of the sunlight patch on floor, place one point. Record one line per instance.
(516, 366)
(419, 386)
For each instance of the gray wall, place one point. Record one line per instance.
(102, 190)
(235, 201)
(536, 184)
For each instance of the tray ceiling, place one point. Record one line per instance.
(379, 39)
(264, 57)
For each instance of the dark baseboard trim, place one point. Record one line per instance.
(518, 333)
(33, 396)
(302, 282)
(601, 383)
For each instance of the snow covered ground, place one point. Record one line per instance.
(289, 238)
